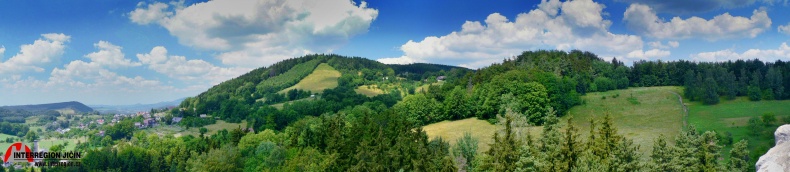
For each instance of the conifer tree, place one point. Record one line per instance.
(739, 157)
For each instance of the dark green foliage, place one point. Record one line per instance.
(754, 93)
(13, 129)
(710, 96)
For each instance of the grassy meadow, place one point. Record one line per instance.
(369, 90)
(323, 77)
(641, 114)
(451, 131)
(179, 131)
(733, 116)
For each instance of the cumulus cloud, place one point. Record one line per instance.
(554, 25)
(659, 45)
(79, 73)
(180, 68)
(2, 51)
(643, 20)
(30, 56)
(254, 33)
(110, 55)
(650, 54)
(696, 6)
(782, 29)
(781, 53)
(154, 12)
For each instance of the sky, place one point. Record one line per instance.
(128, 52)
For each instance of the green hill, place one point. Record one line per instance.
(72, 105)
(298, 78)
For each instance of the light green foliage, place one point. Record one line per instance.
(466, 148)
(662, 154)
(31, 136)
(251, 141)
(739, 157)
(226, 158)
(419, 109)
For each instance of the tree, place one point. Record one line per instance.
(710, 97)
(739, 157)
(456, 104)
(203, 130)
(503, 154)
(709, 152)
(466, 148)
(754, 93)
(755, 125)
(31, 136)
(662, 154)
(226, 158)
(419, 109)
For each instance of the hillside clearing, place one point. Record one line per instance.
(656, 112)
(733, 116)
(369, 90)
(451, 131)
(323, 77)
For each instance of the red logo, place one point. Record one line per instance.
(17, 147)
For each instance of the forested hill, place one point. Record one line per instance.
(74, 105)
(538, 81)
(234, 99)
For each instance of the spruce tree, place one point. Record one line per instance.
(739, 157)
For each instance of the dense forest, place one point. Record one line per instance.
(346, 131)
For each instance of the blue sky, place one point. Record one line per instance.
(126, 52)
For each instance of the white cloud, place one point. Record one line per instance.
(89, 81)
(399, 60)
(781, 53)
(180, 68)
(659, 45)
(154, 13)
(554, 25)
(697, 6)
(110, 55)
(782, 29)
(255, 33)
(650, 54)
(642, 19)
(2, 51)
(42, 51)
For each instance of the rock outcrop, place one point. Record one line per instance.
(778, 157)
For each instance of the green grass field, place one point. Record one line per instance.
(323, 77)
(3, 143)
(733, 116)
(656, 111)
(370, 92)
(450, 131)
(212, 129)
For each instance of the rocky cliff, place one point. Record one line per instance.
(778, 157)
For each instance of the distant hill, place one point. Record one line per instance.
(73, 105)
(135, 107)
(268, 85)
